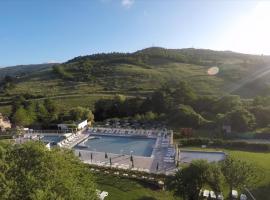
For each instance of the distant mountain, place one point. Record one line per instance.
(22, 70)
(147, 69)
(139, 73)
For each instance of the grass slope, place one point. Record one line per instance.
(127, 189)
(141, 72)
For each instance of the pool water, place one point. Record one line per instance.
(189, 156)
(52, 138)
(120, 145)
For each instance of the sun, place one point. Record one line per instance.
(251, 33)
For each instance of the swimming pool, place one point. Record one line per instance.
(120, 145)
(187, 156)
(52, 138)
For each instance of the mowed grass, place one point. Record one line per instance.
(6, 110)
(259, 160)
(120, 188)
(262, 162)
(127, 189)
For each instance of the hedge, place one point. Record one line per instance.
(219, 143)
(3, 137)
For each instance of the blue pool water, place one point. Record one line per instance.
(52, 138)
(120, 145)
(189, 156)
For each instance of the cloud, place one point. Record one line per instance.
(127, 3)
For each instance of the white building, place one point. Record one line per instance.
(78, 125)
(82, 124)
(4, 123)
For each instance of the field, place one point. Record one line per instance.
(126, 189)
(261, 161)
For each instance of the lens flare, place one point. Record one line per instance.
(213, 71)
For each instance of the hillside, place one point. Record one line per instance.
(103, 75)
(22, 70)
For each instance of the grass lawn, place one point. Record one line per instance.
(260, 161)
(127, 189)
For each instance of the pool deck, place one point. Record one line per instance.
(141, 163)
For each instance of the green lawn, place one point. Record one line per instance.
(261, 161)
(127, 189)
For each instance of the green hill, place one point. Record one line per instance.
(139, 73)
(22, 70)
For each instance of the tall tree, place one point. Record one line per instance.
(238, 174)
(188, 181)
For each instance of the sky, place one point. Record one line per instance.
(44, 31)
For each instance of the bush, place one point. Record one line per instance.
(4, 137)
(219, 143)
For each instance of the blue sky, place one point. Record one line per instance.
(39, 31)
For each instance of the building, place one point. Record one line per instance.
(4, 123)
(78, 125)
(82, 124)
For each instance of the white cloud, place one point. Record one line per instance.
(127, 3)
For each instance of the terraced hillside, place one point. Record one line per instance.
(103, 75)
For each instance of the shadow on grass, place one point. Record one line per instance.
(262, 192)
(146, 198)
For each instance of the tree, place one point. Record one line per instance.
(188, 181)
(262, 115)
(238, 174)
(22, 118)
(185, 116)
(227, 103)
(80, 113)
(215, 177)
(240, 119)
(183, 94)
(31, 171)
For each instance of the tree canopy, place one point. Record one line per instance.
(32, 172)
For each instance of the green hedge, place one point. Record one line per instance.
(262, 135)
(138, 174)
(3, 137)
(219, 143)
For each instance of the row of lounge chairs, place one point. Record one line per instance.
(70, 140)
(165, 142)
(170, 154)
(206, 194)
(116, 165)
(117, 131)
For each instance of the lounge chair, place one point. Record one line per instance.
(206, 193)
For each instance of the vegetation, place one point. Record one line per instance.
(45, 114)
(189, 181)
(31, 171)
(238, 174)
(260, 162)
(120, 188)
(140, 73)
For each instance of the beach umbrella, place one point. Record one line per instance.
(132, 161)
